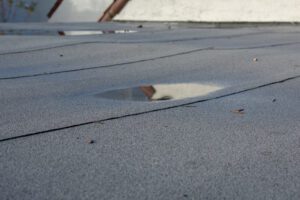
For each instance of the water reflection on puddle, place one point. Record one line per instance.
(98, 32)
(63, 33)
(161, 92)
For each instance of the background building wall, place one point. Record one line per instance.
(157, 10)
(37, 10)
(24, 10)
(212, 10)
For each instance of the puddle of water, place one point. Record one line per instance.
(62, 33)
(161, 92)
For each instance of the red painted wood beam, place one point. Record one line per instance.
(54, 8)
(113, 10)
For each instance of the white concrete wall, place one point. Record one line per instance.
(212, 10)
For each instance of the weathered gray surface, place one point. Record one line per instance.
(150, 150)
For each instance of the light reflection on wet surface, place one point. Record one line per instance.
(98, 32)
(161, 92)
(63, 33)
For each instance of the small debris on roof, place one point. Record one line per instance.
(238, 111)
(255, 59)
(140, 26)
(91, 141)
(274, 100)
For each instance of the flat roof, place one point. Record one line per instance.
(61, 139)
